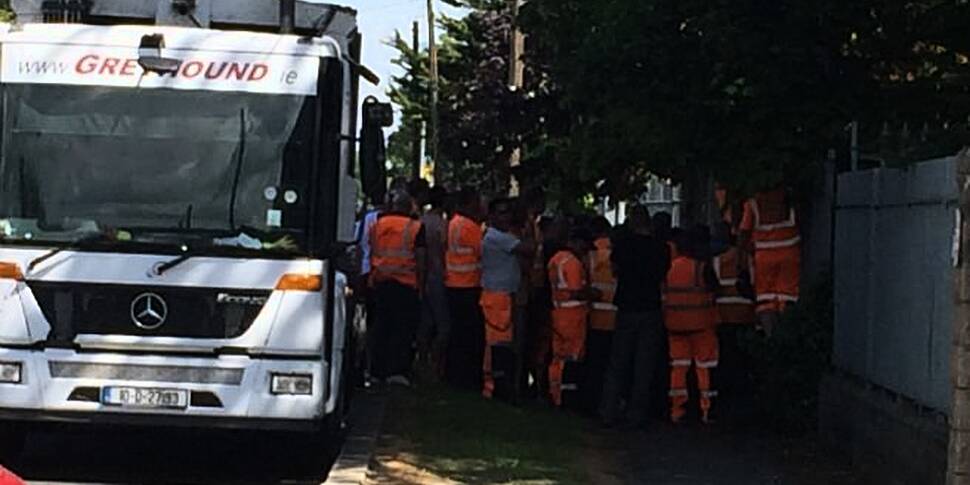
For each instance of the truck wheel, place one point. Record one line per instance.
(13, 439)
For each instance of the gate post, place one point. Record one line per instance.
(958, 458)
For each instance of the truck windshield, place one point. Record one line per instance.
(225, 167)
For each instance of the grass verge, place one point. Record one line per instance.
(435, 435)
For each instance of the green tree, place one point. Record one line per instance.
(410, 91)
(482, 120)
(6, 14)
(748, 90)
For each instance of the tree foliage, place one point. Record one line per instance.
(482, 120)
(749, 90)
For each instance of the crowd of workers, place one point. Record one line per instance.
(503, 299)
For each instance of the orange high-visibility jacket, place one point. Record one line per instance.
(393, 240)
(566, 275)
(771, 222)
(603, 316)
(733, 307)
(463, 260)
(688, 304)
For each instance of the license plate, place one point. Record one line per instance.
(143, 397)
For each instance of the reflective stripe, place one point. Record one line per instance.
(569, 304)
(734, 300)
(707, 364)
(776, 297)
(605, 286)
(454, 242)
(708, 394)
(778, 244)
(464, 268)
(604, 306)
(680, 363)
(678, 393)
(394, 253)
(569, 387)
(758, 226)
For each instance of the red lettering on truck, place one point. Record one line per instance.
(87, 64)
(259, 72)
(94, 64)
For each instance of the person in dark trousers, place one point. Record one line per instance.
(433, 335)
(397, 274)
(602, 317)
(640, 264)
(463, 280)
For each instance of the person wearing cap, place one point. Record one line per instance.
(501, 280)
(397, 275)
(571, 294)
(640, 263)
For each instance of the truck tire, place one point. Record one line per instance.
(13, 440)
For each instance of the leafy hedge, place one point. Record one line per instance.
(789, 367)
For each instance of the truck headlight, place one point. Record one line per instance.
(292, 384)
(11, 372)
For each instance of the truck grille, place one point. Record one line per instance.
(73, 308)
(146, 373)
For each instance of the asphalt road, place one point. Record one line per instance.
(174, 456)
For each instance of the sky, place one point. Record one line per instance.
(377, 20)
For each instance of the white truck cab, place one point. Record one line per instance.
(176, 178)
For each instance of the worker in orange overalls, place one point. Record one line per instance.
(463, 283)
(602, 317)
(552, 234)
(397, 262)
(736, 310)
(501, 280)
(770, 229)
(690, 316)
(571, 295)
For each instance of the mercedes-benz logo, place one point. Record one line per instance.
(149, 311)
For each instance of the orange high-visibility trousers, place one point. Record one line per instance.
(700, 349)
(497, 308)
(568, 344)
(777, 273)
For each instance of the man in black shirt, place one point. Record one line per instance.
(640, 264)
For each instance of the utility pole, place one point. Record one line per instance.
(433, 127)
(417, 138)
(516, 83)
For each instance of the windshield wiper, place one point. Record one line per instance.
(164, 267)
(71, 245)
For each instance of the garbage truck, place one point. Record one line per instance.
(177, 180)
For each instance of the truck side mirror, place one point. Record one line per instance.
(373, 155)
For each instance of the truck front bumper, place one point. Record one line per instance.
(227, 391)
